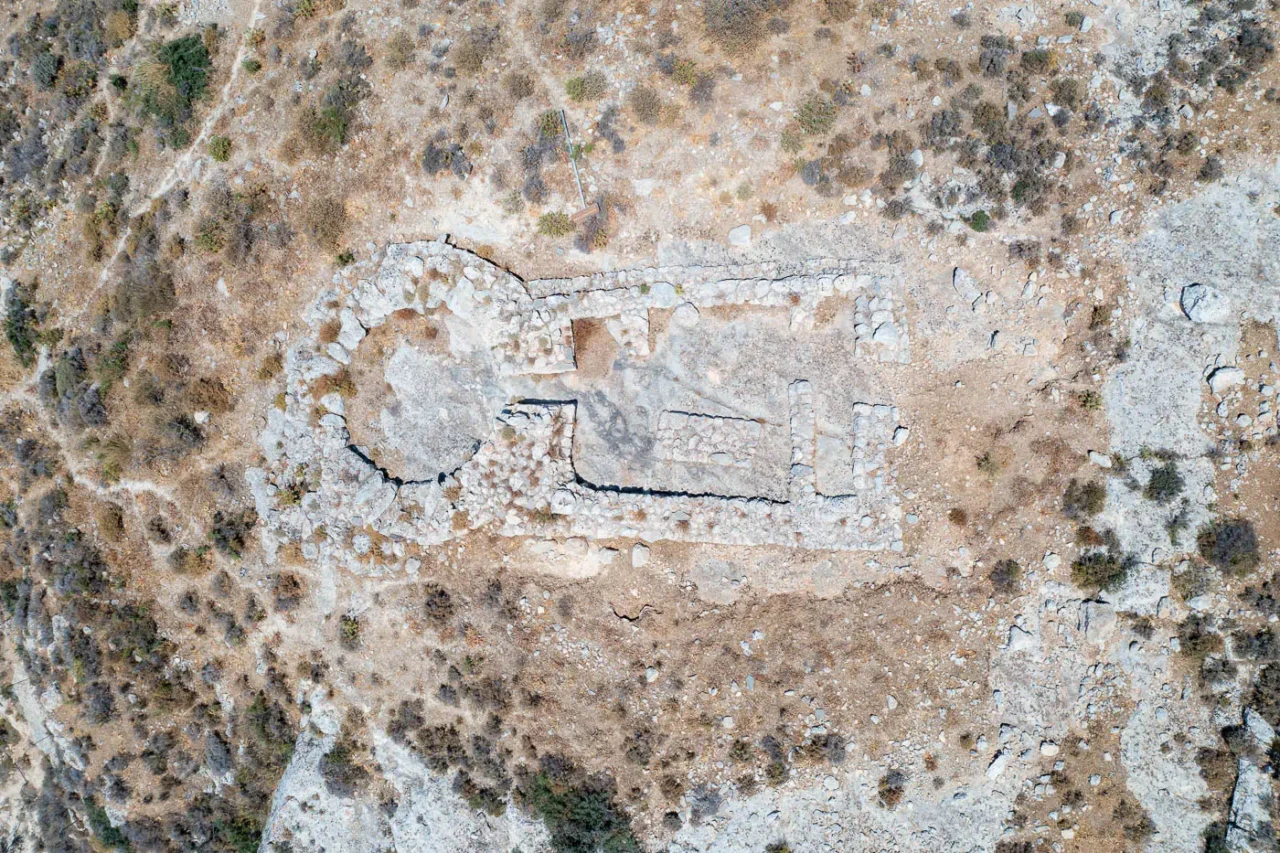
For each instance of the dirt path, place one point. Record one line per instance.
(180, 167)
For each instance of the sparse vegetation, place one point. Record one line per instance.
(1005, 576)
(591, 86)
(578, 810)
(1105, 570)
(1084, 500)
(1230, 544)
(555, 225)
(220, 148)
(891, 788)
(349, 631)
(1164, 484)
(816, 115)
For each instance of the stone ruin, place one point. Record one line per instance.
(333, 496)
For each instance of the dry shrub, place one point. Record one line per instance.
(111, 522)
(118, 27)
(271, 366)
(399, 51)
(737, 26)
(340, 382)
(324, 220)
(208, 394)
(476, 49)
(329, 331)
(518, 85)
(645, 104)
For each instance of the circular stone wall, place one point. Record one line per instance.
(426, 395)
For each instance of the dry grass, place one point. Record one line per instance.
(324, 220)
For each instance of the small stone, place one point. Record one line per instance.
(639, 556)
(740, 236)
(727, 722)
(1048, 748)
(831, 783)
(891, 701)
(1204, 304)
(1102, 460)
(1099, 621)
(885, 333)
(1086, 24)
(997, 765)
(1225, 377)
(1020, 640)
(685, 316)
(651, 675)
(1052, 561)
(900, 436)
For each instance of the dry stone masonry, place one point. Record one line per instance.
(320, 489)
(706, 439)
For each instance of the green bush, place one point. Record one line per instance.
(220, 148)
(817, 115)
(1231, 545)
(580, 815)
(20, 324)
(555, 225)
(1165, 483)
(188, 62)
(591, 86)
(1082, 500)
(342, 767)
(166, 86)
(349, 632)
(44, 70)
(323, 130)
(1104, 570)
(110, 836)
(980, 221)
(1038, 61)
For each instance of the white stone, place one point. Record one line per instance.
(639, 556)
(998, 764)
(1204, 304)
(1225, 377)
(885, 333)
(1048, 748)
(740, 236)
(1102, 460)
(1052, 561)
(1099, 621)
(685, 316)
(1020, 640)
